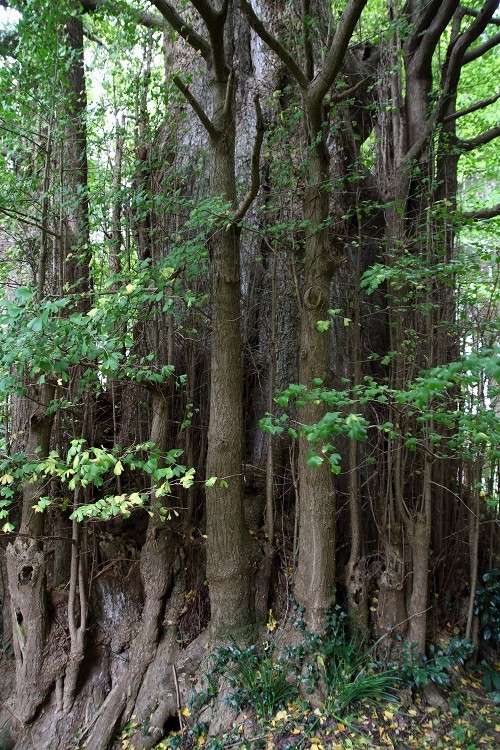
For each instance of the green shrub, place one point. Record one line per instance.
(491, 680)
(487, 606)
(416, 669)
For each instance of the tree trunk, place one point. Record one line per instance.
(315, 577)
(227, 563)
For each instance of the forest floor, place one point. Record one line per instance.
(468, 719)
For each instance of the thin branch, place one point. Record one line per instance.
(229, 95)
(482, 213)
(178, 698)
(177, 22)
(481, 49)
(195, 104)
(480, 140)
(271, 41)
(348, 92)
(473, 108)
(12, 214)
(335, 55)
(255, 164)
(93, 38)
(22, 134)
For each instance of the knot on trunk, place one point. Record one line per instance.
(313, 298)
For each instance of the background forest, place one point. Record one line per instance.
(249, 365)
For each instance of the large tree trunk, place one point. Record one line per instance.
(315, 578)
(227, 562)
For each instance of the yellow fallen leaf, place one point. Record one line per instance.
(185, 711)
(295, 731)
(341, 727)
(389, 715)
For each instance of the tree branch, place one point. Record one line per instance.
(229, 95)
(215, 21)
(206, 10)
(425, 37)
(29, 221)
(458, 47)
(482, 213)
(195, 104)
(337, 98)
(146, 19)
(456, 52)
(428, 14)
(335, 55)
(480, 140)
(481, 49)
(473, 108)
(475, 13)
(306, 32)
(271, 41)
(177, 22)
(255, 164)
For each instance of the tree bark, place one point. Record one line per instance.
(227, 563)
(315, 577)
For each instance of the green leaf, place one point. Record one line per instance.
(314, 460)
(188, 479)
(118, 469)
(322, 325)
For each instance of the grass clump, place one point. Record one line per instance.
(258, 680)
(341, 669)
